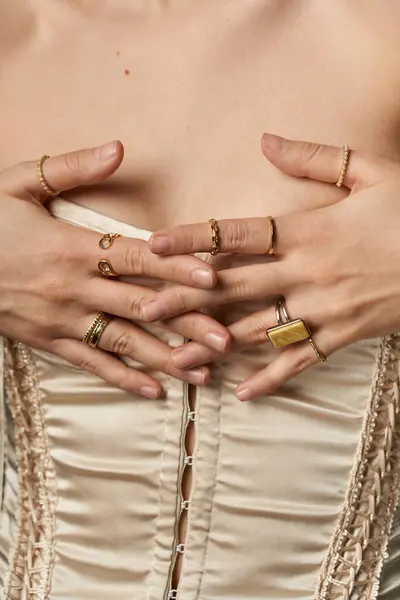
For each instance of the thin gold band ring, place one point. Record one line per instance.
(343, 168)
(321, 357)
(41, 177)
(272, 238)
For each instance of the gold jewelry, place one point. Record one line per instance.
(321, 357)
(96, 329)
(272, 238)
(106, 268)
(287, 331)
(345, 162)
(42, 179)
(108, 239)
(215, 237)
(88, 333)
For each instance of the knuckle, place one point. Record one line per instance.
(73, 162)
(190, 324)
(308, 153)
(239, 287)
(135, 260)
(188, 239)
(257, 334)
(303, 361)
(236, 235)
(123, 344)
(180, 301)
(136, 308)
(89, 364)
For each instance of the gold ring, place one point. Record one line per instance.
(108, 239)
(272, 238)
(106, 268)
(42, 179)
(343, 168)
(215, 240)
(287, 331)
(96, 329)
(321, 357)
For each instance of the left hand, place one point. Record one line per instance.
(338, 267)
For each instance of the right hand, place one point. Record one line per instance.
(51, 289)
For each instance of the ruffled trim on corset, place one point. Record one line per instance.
(353, 565)
(32, 559)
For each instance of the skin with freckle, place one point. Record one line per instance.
(189, 88)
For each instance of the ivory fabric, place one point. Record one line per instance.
(292, 497)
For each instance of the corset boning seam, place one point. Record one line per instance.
(33, 553)
(354, 561)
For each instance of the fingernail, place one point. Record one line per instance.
(107, 152)
(183, 358)
(272, 142)
(216, 340)
(197, 376)
(152, 310)
(202, 277)
(159, 243)
(244, 394)
(149, 392)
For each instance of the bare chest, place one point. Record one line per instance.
(190, 93)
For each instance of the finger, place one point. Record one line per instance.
(119, 298)
(242, 283)
(133, 257)
(63, 172)
(322, 162)
(193, 355)
(202, 329)
(107, 367)
(291, 362)
(125, 339)
(244, 236)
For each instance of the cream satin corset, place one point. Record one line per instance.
(291, 496)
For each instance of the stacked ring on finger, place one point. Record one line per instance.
(290, 331)
(287, 331)
(96, 329)
(105, 267)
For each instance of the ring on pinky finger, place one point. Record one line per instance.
(291, 362)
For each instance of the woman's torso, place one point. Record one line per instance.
(189, 88)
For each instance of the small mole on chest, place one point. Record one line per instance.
(127, 72)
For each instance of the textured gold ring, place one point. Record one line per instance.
(41, 177)
(272, 235)
(215, 239)
(321, 357)
(106, 268)
(345, 163)
(287, 331)
(96, 330)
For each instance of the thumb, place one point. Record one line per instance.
(63, 172)
(323, 163)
